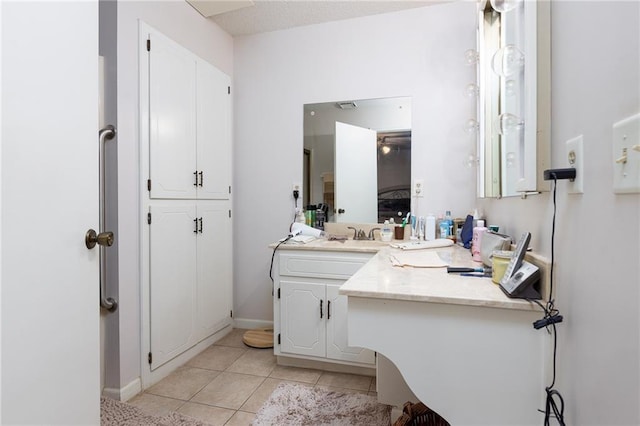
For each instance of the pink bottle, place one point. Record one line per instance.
(476, 242)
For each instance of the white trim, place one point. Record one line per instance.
(251, 323)
(125, 393)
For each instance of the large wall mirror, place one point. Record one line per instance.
(514, 97)
(357, 159)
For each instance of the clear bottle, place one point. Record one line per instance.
(386, 232)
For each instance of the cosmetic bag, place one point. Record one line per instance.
(492, 241)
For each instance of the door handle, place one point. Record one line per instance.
(320, 308)
(328, 309)
(340, 211)
(92, 238)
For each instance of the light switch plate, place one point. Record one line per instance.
(575, 159)
(626, 155)
(418, 188)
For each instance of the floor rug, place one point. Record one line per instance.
(293, 404)
(116, 413)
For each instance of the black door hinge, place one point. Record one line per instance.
(229, 189)
(149, 185)
(149, 218)
(279, 338)
(148, 45)
(150, 358)
(231, 314)
(229, 214)
(228, 90)
(278, 293)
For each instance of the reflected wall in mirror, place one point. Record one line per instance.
(357, 159)
(514, 102)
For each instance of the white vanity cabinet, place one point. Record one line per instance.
(310, 317)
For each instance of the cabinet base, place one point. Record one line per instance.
(325, 366)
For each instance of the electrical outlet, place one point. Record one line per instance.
(575, 159)
(418, 188)
(295, 187)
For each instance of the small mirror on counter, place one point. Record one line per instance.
(357, 159)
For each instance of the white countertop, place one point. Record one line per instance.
(321, 244)
(381, 280)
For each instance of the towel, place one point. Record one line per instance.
(417, 259)
(415, 245)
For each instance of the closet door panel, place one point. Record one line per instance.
(213, 132)
(172, 280)
(214, 267)
(172, 120)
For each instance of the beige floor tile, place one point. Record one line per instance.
(296, 374)
(215, 416)
(240, 418)
(216, 358)
(155, 405)
(264, 391)
(183, 383)
(342, 380)
(233, 339)
(228, 390)
(259, 362)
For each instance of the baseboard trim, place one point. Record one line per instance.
(125, 393)
(250, 324)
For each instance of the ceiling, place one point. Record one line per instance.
(244, 17)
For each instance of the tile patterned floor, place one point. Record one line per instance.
(228, 383)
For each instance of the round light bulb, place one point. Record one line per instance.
(471, 126)
(508, 124)
(507, 61)
(471, 57)
(503, 6)
(471, 90)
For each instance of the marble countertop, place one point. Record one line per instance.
(321, 244)
(379, 279)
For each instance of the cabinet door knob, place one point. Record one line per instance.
(340, 211)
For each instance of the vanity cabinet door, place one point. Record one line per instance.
(337, 345)
(302, 318)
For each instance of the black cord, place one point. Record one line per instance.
(272, 257)
(551, 317)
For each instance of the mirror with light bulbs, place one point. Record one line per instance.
(513, 76)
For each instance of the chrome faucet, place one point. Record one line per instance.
(359, 234)
(371, 236)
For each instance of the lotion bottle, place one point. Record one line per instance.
(476, 242)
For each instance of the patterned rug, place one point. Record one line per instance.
(116, 413)
(293, 404)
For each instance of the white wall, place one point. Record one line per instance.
(180, 22)
(417, 53)
(595, 82)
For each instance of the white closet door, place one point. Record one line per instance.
(172, 280)
(302, 325)
(172, 119)
(214, 132)
(214, 267)
(337, 343)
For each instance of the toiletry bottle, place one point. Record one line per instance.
(421, 228)
(386, 232)
(430, 227)
(449, 220)
(476, 242)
